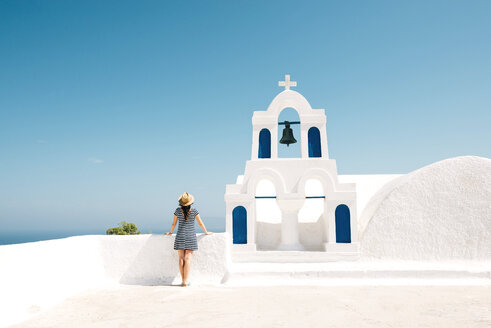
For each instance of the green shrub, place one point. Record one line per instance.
(115, 231)
(125, 228)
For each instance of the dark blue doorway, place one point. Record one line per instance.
(239, 225)
(343, 231)
(264, 144)
(314, 142)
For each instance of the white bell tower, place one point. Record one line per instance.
(291, 204)
(309, 119)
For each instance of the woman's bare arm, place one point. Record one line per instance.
(198, 218)
(173, 226)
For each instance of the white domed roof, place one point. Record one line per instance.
(439, 212)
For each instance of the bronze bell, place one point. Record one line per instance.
(287, 137)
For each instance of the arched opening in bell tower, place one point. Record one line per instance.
(310, 217)
(268, 215)
(313, 207)
(293, 150)
(267, 209)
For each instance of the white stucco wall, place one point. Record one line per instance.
(440, 212)
(34, 276)
(367, 185)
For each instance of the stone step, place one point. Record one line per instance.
(293, 256)
(356, 273)
(329, 252)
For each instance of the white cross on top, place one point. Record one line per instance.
(287, 83)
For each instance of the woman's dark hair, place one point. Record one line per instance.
(185, 210)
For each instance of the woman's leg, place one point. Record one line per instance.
(181, 262)
(187, 265)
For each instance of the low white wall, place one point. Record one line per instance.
(35, 276)
(152, 260)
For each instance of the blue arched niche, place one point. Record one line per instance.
(239, 225)
(343, 229)
(264, 144)
(314, 142)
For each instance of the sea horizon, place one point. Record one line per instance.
(26, 236)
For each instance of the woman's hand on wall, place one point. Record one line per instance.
(208, 233)
(168, 233)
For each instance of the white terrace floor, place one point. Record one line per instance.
(272, 306)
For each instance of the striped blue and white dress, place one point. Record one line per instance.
(186, 232)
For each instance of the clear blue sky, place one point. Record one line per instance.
(110, 109)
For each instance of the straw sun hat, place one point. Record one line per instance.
(186, 199)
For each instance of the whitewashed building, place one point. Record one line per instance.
(291, 204)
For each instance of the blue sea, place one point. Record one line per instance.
(17, 237)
